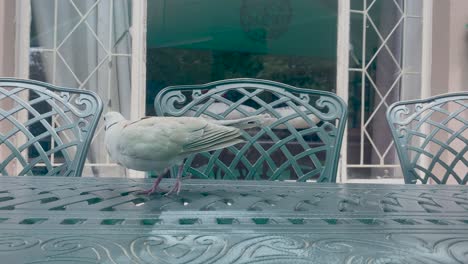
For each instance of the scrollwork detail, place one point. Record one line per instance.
(446, 250)
(401, 114)
(197, 94)
(357, 251)
(84, 105)
(178, 249)
(65, 96)
(91, 248)
(88, 104)
(171, 99)
(419, 107)
(334, 108)
(398, 113)
(83, 124)
(304, 97)
(271, 248)
(455, 248)
(16, 242)
(402, 132)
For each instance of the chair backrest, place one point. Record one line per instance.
(45, 129)
(431, 138)
(303, 143)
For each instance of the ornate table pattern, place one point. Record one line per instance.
(96, 220)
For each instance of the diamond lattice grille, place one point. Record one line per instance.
(302, 144)
(91, 50)
(382, 71)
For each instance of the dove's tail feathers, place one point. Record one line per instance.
(247, 122)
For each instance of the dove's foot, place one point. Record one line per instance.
(154, 188)
(176, 188)
(151, 191)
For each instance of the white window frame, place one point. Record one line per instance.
(343, 47)
(138, 33)
(138, 65)
(342, 75)
(138, 82)
(22, 30)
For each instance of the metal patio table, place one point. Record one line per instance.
(104, 220)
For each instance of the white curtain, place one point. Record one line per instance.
(92, 46)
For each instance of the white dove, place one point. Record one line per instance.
(158, 143)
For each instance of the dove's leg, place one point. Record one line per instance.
(156, 183)
(177, 186)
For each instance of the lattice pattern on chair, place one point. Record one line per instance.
(432, 138)
(44, 129)
(302, 144)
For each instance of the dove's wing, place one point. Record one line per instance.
(166, 138)
(213, 137)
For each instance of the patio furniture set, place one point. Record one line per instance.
(217, 218)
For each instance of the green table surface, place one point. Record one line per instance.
(104, 220)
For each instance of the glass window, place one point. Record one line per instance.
(85, 45)
(385, 67)
(194, 42)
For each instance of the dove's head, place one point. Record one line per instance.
(112, 118)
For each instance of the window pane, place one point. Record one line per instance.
(86, 45)
(193, 42)
(385, 63)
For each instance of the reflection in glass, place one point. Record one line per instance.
(194, 42)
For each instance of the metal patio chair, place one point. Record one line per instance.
(431, 138)
(45, 129)
(302, 144)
